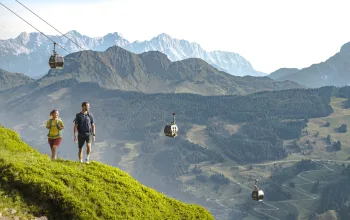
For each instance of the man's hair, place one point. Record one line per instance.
(84, 104)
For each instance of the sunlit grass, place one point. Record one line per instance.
(72, 190)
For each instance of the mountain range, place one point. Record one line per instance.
(29, 52)
(334, 71)
(153, 72)
(177, 49)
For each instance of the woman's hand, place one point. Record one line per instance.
(59, 126)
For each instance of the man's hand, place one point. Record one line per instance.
(93, 138)
(75, 131)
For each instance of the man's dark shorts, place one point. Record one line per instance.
(83, 138)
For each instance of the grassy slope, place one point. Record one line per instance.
(71, 190)
(229, 196)
(12, 205)
(340, 116)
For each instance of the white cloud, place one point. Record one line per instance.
(270, 33)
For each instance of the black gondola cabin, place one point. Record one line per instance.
(56, 61)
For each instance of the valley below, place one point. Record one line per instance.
(223, 144)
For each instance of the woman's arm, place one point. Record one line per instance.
(60, 125)
(48, 126)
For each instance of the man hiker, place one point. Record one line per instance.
(84, 130)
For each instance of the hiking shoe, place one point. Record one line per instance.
(87, 161)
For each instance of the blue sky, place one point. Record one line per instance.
(269, 33)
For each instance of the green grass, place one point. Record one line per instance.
(336, 119)
(71, 190)
(13, 201)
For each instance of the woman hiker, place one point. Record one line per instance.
(55, 125)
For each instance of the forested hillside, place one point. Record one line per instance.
(10, 80)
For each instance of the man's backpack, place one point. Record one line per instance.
(84, 123)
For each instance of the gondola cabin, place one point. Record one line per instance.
(171, 129)
(258, 195)
(56, 61)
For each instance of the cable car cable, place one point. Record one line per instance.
(81, 48)
(69, 52)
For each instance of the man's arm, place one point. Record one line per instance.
(93, 125)
(75, 130)
(76, 127)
